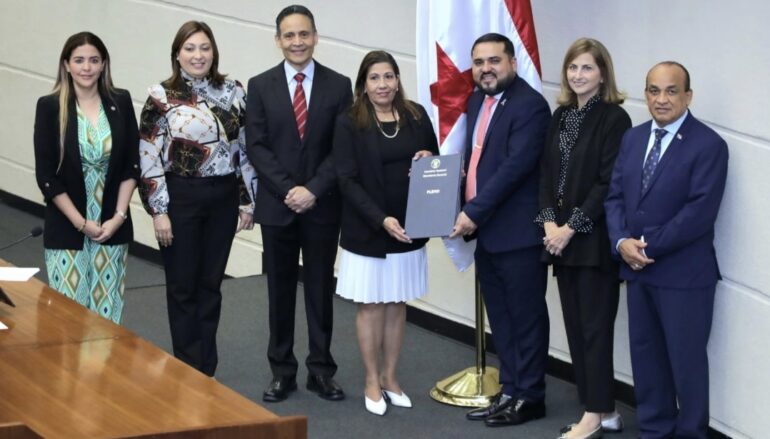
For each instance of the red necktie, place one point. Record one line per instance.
(300, 105)
(470, 182)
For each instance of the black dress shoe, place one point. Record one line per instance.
(325, 387)
(499, 403)
(279, 389)
(518, 413)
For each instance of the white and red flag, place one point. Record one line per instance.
(446, 30)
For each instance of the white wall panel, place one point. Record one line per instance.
(722, 43)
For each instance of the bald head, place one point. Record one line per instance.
(667, 92)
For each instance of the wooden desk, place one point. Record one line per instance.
(67, 373)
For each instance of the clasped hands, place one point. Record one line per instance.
(557, 237)
(102, 232)
(632, 252)
(299, 199)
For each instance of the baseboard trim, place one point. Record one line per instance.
(554, 367)
(467, 335)
(22, 204)
(431, 322)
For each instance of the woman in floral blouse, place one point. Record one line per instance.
(195, 175)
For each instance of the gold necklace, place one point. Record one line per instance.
(379, 125)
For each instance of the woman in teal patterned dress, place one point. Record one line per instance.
(86, 165)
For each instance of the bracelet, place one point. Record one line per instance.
(156, 216)
(121, 214)
(80, 230)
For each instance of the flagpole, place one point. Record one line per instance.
(474, 386)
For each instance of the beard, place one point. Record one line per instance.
(501, 84)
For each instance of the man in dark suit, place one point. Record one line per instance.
(666, 188)
(290, 115)
(507, 123)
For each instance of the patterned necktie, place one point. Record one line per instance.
(481, 131)
(300, 105)
(652, 159)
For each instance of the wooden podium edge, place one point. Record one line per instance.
(286, 427)
(17, 430)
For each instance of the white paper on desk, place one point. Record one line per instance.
(17, 274)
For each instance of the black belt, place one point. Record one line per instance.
(212, 180)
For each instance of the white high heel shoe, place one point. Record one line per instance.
(397, 400)
(376, 407)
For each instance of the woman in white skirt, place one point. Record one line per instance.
(380, 266)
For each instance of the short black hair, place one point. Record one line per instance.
(293, 9)
(671, 64)
(494, 37)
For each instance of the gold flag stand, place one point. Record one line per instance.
(474, 386)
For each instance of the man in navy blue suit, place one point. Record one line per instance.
(507, 123)
(666, 188)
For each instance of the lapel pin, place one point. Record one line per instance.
(678, 136)
(502, 103)
(112, 107)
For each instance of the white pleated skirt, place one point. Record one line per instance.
(399, 277)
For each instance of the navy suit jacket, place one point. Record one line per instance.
(507, 175)
(281, 159)
(676, 214)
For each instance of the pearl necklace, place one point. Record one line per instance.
(379, 125)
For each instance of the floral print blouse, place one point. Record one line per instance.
(194, 131)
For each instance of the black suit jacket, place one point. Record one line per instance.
(281, 159)
(361, 181)
(124, 164)
(588, 178)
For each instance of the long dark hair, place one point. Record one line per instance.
(64, 88)
(362, 111)
(175, 81)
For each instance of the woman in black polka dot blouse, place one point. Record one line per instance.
(580, 151)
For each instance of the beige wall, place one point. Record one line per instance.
(722, 43)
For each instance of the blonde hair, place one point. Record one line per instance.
(63, 86)
(608, 88)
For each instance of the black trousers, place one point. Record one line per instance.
(282, 245)
(513, 284)
(589, 303)
(204, 215)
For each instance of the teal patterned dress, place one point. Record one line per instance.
(95, 275)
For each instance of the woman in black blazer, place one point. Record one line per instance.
(581, 148)
(87, 166)
(380, 266)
